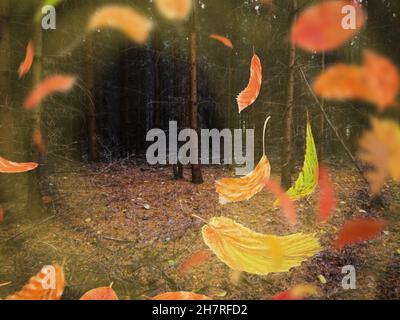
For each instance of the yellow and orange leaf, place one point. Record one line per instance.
(48, 284)
(51, 85)
(242, 249)
(380, 147)
(224, 40)
(123, 18)
(102, 293)
(244, 188)
(174, 9)
(249, 95)
(181, 296)
(7, 166)
(319, 28)
(27, 63)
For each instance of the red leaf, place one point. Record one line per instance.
(327, 199)
(359, 230)
(285, 202)
(249, 95)
(102, 293)
(319, 28)
(1, 214)
(27, 64)
(227, 42)
(7, 166)
(195, 260)
(59, 83)
(299, 292)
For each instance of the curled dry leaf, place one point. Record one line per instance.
(195, 260)
(174, 9)
(123, 18)
(51, 85)
(359, 230)
(48, 284)
(285, 202)
(245, 250)
(7, 166)
(249, 95)
(102, 293)
(227, 42)
(181, 296)
(376, 82)
(380, 147)
(327, 199)
(320, 27)
(299, 292)
(27, 63)
(244, 188)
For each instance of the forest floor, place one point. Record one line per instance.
(132, 225)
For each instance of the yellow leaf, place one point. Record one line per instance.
(123, 18)
(245, 250)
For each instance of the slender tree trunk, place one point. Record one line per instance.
(89, 77)
(287, 145)
(197, 177)
(124, 103)
(321, 148)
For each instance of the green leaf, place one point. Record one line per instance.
(308, 178)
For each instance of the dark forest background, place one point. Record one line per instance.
(125, 89)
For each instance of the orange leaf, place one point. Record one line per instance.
(102, 293)
(327, 198)
(59, 83)
(48, 284)
(297, 293)
(244, 188)
(122, 18)
(227, 42)
(38, 141)
(285, 202)
(174, 9)
(249, 95)
(7, 166)
(181, 296)
(196, 259)
(27, 64)
(359, 230)
(319, 28)
(383, 79)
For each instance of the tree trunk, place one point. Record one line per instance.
(287, 145)
(124, 103)
(197, 177)
(89, 78)
(321, 150)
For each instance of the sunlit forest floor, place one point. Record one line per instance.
(132, 225)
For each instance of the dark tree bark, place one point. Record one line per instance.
(287, 145)
(124, 102)
(197, 177)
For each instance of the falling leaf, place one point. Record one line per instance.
(181, 296)
(376, 82)
(249, 95)
(102, 293)
(195, 260)
(308, 178)
(380, 147)
(58, 83)
(174, 9)
(122, 18)
(1, 214)
(227, 42)
(7, 166)
(320, 27)
(48, 284)
(359, 230)
(327, 197)
(285, 202)
(27, 64)
(245, 250)
(244, 188)
(299, 292)
(38, 141)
